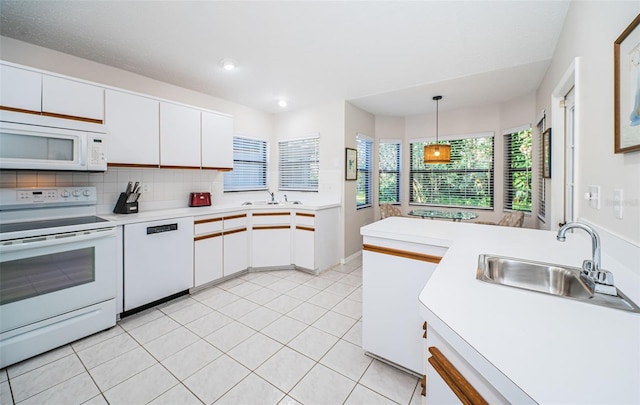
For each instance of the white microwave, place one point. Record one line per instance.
(38, 147)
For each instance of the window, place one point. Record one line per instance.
(249, 165)
(542, 203)
(465, 182)
(389, 172)
(517, 170)
(363, 183)
(299, 164)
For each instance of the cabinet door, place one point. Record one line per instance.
(271, 246)
(236, 244)
(207, 261)
(179, 136)
(20, 89)
(72, 99)
(304, 247)
(217, 141)
(134, 128)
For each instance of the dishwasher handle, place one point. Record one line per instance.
(151, 230)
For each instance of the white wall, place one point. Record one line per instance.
(589, 32)
(356, 121)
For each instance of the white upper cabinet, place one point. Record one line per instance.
(72, 99)
(134, 128)
(20, 89)
(179, 136)
(217, 141)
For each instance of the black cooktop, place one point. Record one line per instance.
(49, 223)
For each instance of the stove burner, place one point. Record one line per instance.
(49, 223)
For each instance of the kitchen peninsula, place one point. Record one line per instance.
(512, 345)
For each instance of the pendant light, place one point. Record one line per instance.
(435, 152)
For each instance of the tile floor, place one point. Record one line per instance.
(278, 337)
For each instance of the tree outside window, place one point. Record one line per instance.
(518, 163)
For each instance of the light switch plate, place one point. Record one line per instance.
(594, 197)
(618, 199)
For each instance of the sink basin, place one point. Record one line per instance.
(561, 281)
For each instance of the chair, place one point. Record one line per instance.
(388, 210)
(514, 219)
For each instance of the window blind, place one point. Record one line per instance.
(517, 170)
(363, 182)
(389, 172)
(249, 165)
(465, 182)
(541, 192)
(299, 164)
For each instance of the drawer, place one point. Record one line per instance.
(270, 218)
(235, 221)
(207, 225)
(303, 218)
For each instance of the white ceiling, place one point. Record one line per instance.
(389, 58)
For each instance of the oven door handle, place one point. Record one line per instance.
(60, 239)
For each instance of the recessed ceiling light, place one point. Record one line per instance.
(228, 64)
(282, 103)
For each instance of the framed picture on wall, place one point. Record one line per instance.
(626, 84)
(351, 164)
(546, 154)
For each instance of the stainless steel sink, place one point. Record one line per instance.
(561, 281)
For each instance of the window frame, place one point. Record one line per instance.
(442, 169)
(397, 171)
(309, 164)
(509, 189)
(364, 146)
(243, 166)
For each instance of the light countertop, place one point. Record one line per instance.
(162, 214)
(556, 350)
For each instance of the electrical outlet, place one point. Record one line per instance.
(618, 199)
(146, 187)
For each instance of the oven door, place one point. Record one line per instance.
(42, 277)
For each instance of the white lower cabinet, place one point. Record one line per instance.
(304, 239)
(393, 276)
(235, 244)
(271, 239)
(207, 251)
(451, 379)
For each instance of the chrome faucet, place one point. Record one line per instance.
(273, 195)
(602, 280)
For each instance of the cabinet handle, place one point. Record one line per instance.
(402, 253)
(456, 381)
(423, 384)
(424, 326)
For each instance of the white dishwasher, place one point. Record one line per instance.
(158, 260)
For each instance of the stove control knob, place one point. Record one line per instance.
(86, 193)
(65, 194)
(76, 193)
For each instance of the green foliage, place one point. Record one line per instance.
(519, 160)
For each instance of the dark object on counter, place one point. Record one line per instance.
(128, 201)
(199, 199)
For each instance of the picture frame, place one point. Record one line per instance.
(351, 164)
(546, 154)
(626, 78)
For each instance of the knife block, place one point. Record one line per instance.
(123, 207)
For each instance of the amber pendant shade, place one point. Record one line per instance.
(437, 153)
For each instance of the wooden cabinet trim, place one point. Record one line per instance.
(269, 214)
(72, 117)
(146, 166)
(267, 227)
(234, 231)
(204, 221)
(456, 381)
(54, 115)
(179, 167)
(305, 228)
(212, 235)
(220, 169)
(304, 214)
(402, 253)
(236, 216)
